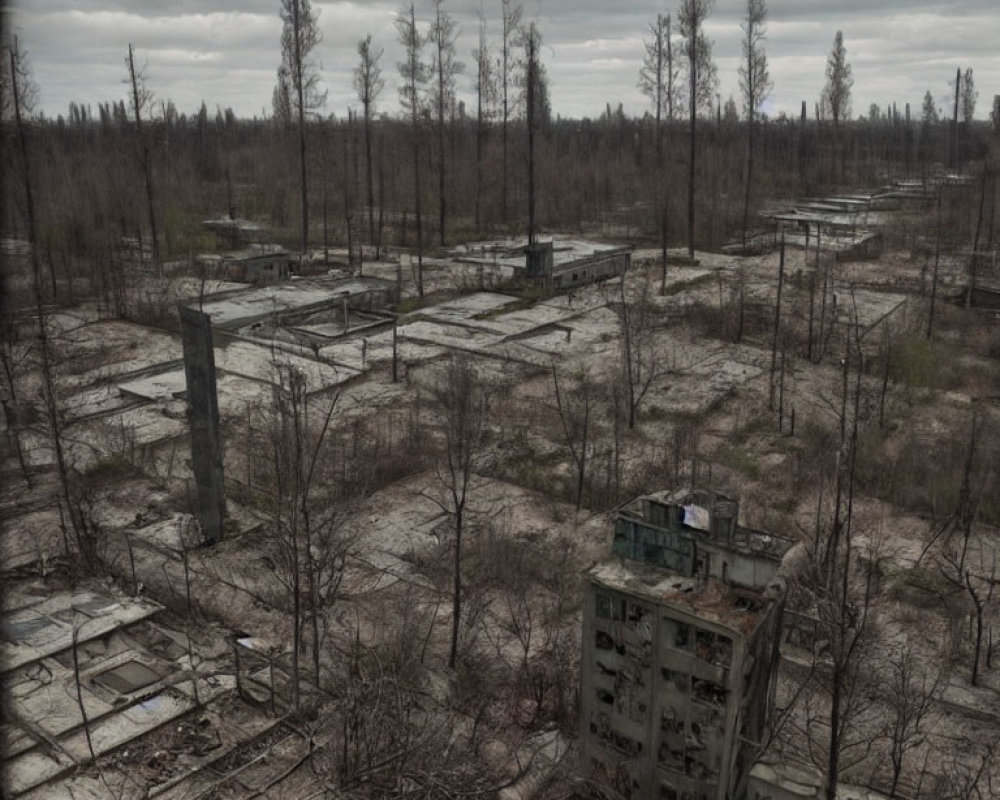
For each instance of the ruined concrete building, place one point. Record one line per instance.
(558, 264)
(680, 647)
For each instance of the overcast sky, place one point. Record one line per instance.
(226, 52)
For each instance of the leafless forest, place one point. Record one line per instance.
(808, 322)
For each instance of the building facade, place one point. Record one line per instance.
(680, 646)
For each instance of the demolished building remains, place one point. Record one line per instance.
(681, 629)
(556, 263)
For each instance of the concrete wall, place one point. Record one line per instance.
(690, 552)
(661, 694)
(740, 569)
(206, 439)
(588, 270)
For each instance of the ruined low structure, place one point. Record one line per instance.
(91, 650)
(206, 434)
(681, 629)
(257, 264)
(558, 264)
(234, 232)
(260, 264)
(90, 674)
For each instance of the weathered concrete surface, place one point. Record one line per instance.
(206, 445)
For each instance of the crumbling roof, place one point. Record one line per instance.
(746, 541)
(707, 598)
(41, 629)
(510, 252)
(240, 307)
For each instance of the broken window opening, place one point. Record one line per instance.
(747, 605)
(632, 675)
(707, 716)
(671, 758)
(708, 692)
(695, 739)
(600, 725)
(603, 606)
(699, 766)
(681, 635)
(623, 744)
(671, 722)
(128, 677)
(680, 680)
(635, 614)
(713, 648)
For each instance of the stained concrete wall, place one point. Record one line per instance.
(203, 405)
(665, 694)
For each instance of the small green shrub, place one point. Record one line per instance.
(739, 461)
(914, 362)
(110, 468)
(687, 285)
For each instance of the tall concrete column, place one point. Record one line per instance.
(203, 407)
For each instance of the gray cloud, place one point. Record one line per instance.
(226, 52)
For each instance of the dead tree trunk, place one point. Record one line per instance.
(300, 89)
(777, 325)
(531, 87)
(139, 100)
(978, 605)
(975, 239)
(575, 430)
(79, 695)
(83, 534)
(937, 262)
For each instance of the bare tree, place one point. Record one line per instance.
(836, 98)
(909, 690)
(511, 24)
(845, 610)
(653, 77)
(701, 83)
(939, 233)
(22, 94)
(636, 320)
(309, 552)
(413, 71)
(964, 778)
(658, 81)
(777, 325)
(442, 36)
(573, 406)
(368, 84)
(953, 155)
(461, 400)
(281, 98)
(299, 36)
(533, 99)
(755, 84)
(967, 96)
(978, 588)
(536, 599)
(839, 82)
(141, 98)
(486, 96)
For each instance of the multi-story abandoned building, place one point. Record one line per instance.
(680, 645)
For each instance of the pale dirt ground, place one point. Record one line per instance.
(719, 386)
